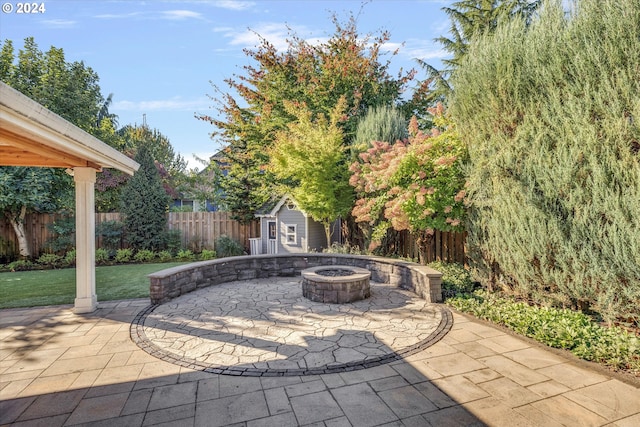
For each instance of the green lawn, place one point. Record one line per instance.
(52, 287)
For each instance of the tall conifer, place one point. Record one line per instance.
(551, 116)
(144, 205)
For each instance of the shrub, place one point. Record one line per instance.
(165, 256)
(111, 233)
(456, 279)
(195, 244)
(70, 257)
(7, 249)
(124, 255)
(173, 240)
(144, 255)
(51, 260)
(380, 123)
(226, 246)
(559, 328)
(144, 204)
(102, 256)
(63, 230)
(20, 265)
(207, 254)
(345, 248)
(550, 114)
(185, 255)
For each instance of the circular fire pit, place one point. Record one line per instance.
(336, 284)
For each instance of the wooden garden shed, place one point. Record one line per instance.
(286, 229)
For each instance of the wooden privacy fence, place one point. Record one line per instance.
(197, 230)
(445, 246)
(200, 230)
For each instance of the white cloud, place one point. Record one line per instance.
(173, 104)
(234, 4)
(425, 53)
(120, 15)
(418, 49)
(173, 15)
(181, 15)
(276, 33)
(59, 23)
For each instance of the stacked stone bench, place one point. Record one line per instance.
(173, 282)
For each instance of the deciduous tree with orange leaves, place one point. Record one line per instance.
(348, 65)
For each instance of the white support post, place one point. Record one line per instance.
(86, 300)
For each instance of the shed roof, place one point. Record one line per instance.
(271, 208)
(31, 135)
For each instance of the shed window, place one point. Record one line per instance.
(272, 230)
(290, 235)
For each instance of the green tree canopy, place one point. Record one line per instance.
(133, 136)
(309, 157)
(468, 19)
(69, 89)
(171, 165)
(380, 123)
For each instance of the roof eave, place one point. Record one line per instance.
(20, 112)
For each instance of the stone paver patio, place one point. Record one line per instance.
(58, 368)
(266, 327)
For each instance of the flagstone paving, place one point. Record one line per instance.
(58, 368)
(259, 328)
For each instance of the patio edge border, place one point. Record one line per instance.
(139, 337)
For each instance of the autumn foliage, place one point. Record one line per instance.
(347, 66)
(415, 185)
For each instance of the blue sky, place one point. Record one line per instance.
(160, 58)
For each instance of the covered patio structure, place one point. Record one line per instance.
(31, 135)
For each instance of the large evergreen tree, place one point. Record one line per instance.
(550, 113)
(468, 19)
(145, 204)
(171, 165)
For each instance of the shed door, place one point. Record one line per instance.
(272, 242)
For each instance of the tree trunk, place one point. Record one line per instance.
(424, 240)
(327, 233)
(352, 234)
(17, 222)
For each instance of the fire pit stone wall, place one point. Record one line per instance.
(338, 284)
(173, 282)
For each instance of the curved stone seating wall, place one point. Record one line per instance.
(173, 282)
